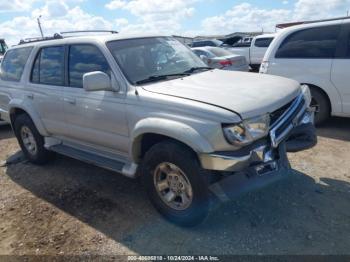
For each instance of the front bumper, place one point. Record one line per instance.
(261, 163)
(253, 177)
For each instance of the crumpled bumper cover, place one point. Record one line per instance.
(254, 177)
(261, 170)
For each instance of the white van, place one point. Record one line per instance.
(316, 54)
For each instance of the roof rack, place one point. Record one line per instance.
(59, 36)
(281, 26)
(39, 39)
(90, 31)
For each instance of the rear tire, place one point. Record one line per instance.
(30, 140)
(171, 171)
(321, 104)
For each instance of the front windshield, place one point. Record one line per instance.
(218, 42)
(142, 58)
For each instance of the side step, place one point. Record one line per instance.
(97, 160)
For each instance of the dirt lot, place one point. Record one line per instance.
(69, 207)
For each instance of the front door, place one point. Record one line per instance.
(95, 118)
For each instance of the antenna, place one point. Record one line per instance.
(39, 24)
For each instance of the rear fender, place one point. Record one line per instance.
(20, 104)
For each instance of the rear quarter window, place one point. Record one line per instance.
(320, 42)
(263, 42)
(13, 64)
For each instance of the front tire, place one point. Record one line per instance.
(176, 184)
(30, 140)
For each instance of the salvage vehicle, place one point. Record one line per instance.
(254, 53)
(316, 54)
(220, 58)
(148, 107)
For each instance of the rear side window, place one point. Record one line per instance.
(263, 42)
(318, 43)
(13, 64)
(48, 67)
(84, 59)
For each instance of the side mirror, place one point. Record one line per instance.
(97, 81)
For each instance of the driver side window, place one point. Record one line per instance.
(85, 58)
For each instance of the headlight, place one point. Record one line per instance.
(307, 94)
(247, 131)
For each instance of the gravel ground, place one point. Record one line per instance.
(69, 207)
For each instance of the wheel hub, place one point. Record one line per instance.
(28, 140)
(173, 186)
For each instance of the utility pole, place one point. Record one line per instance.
(39, 24)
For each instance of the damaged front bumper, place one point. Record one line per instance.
(261, 163)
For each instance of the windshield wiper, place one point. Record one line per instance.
(160, 77)
(193, 69)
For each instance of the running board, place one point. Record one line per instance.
(127, 169)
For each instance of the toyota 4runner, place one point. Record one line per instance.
(148, 107)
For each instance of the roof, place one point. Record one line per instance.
(285, 25)
(312, 25)
(266, 35)
(86, 38)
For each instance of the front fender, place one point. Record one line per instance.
(20, 104)
(170, 128)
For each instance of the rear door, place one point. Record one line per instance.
(45, 88)
(341, 68)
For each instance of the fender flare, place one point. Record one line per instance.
(169, 128)
(20, 104)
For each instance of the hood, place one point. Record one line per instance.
(247, 94)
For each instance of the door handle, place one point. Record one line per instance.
(30, 96)
(71, 101)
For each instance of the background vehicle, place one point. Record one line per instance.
(209, 42)
(316, 54)
(222, 59)
(148, 106)
(254, 53)
(3, 48)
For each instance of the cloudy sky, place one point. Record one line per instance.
(185, 17)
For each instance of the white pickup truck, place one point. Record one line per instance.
(256, 51)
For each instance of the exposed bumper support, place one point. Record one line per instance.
(247, 170)
(253, 177)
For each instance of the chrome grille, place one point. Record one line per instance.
(284, 119)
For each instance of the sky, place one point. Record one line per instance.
(179, 17)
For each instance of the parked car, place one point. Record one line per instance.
(148, 107)
(209, 42)
(220, 58)
(254, 53)
(316, 54)
(3, 48)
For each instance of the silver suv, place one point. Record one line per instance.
(148, 107)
